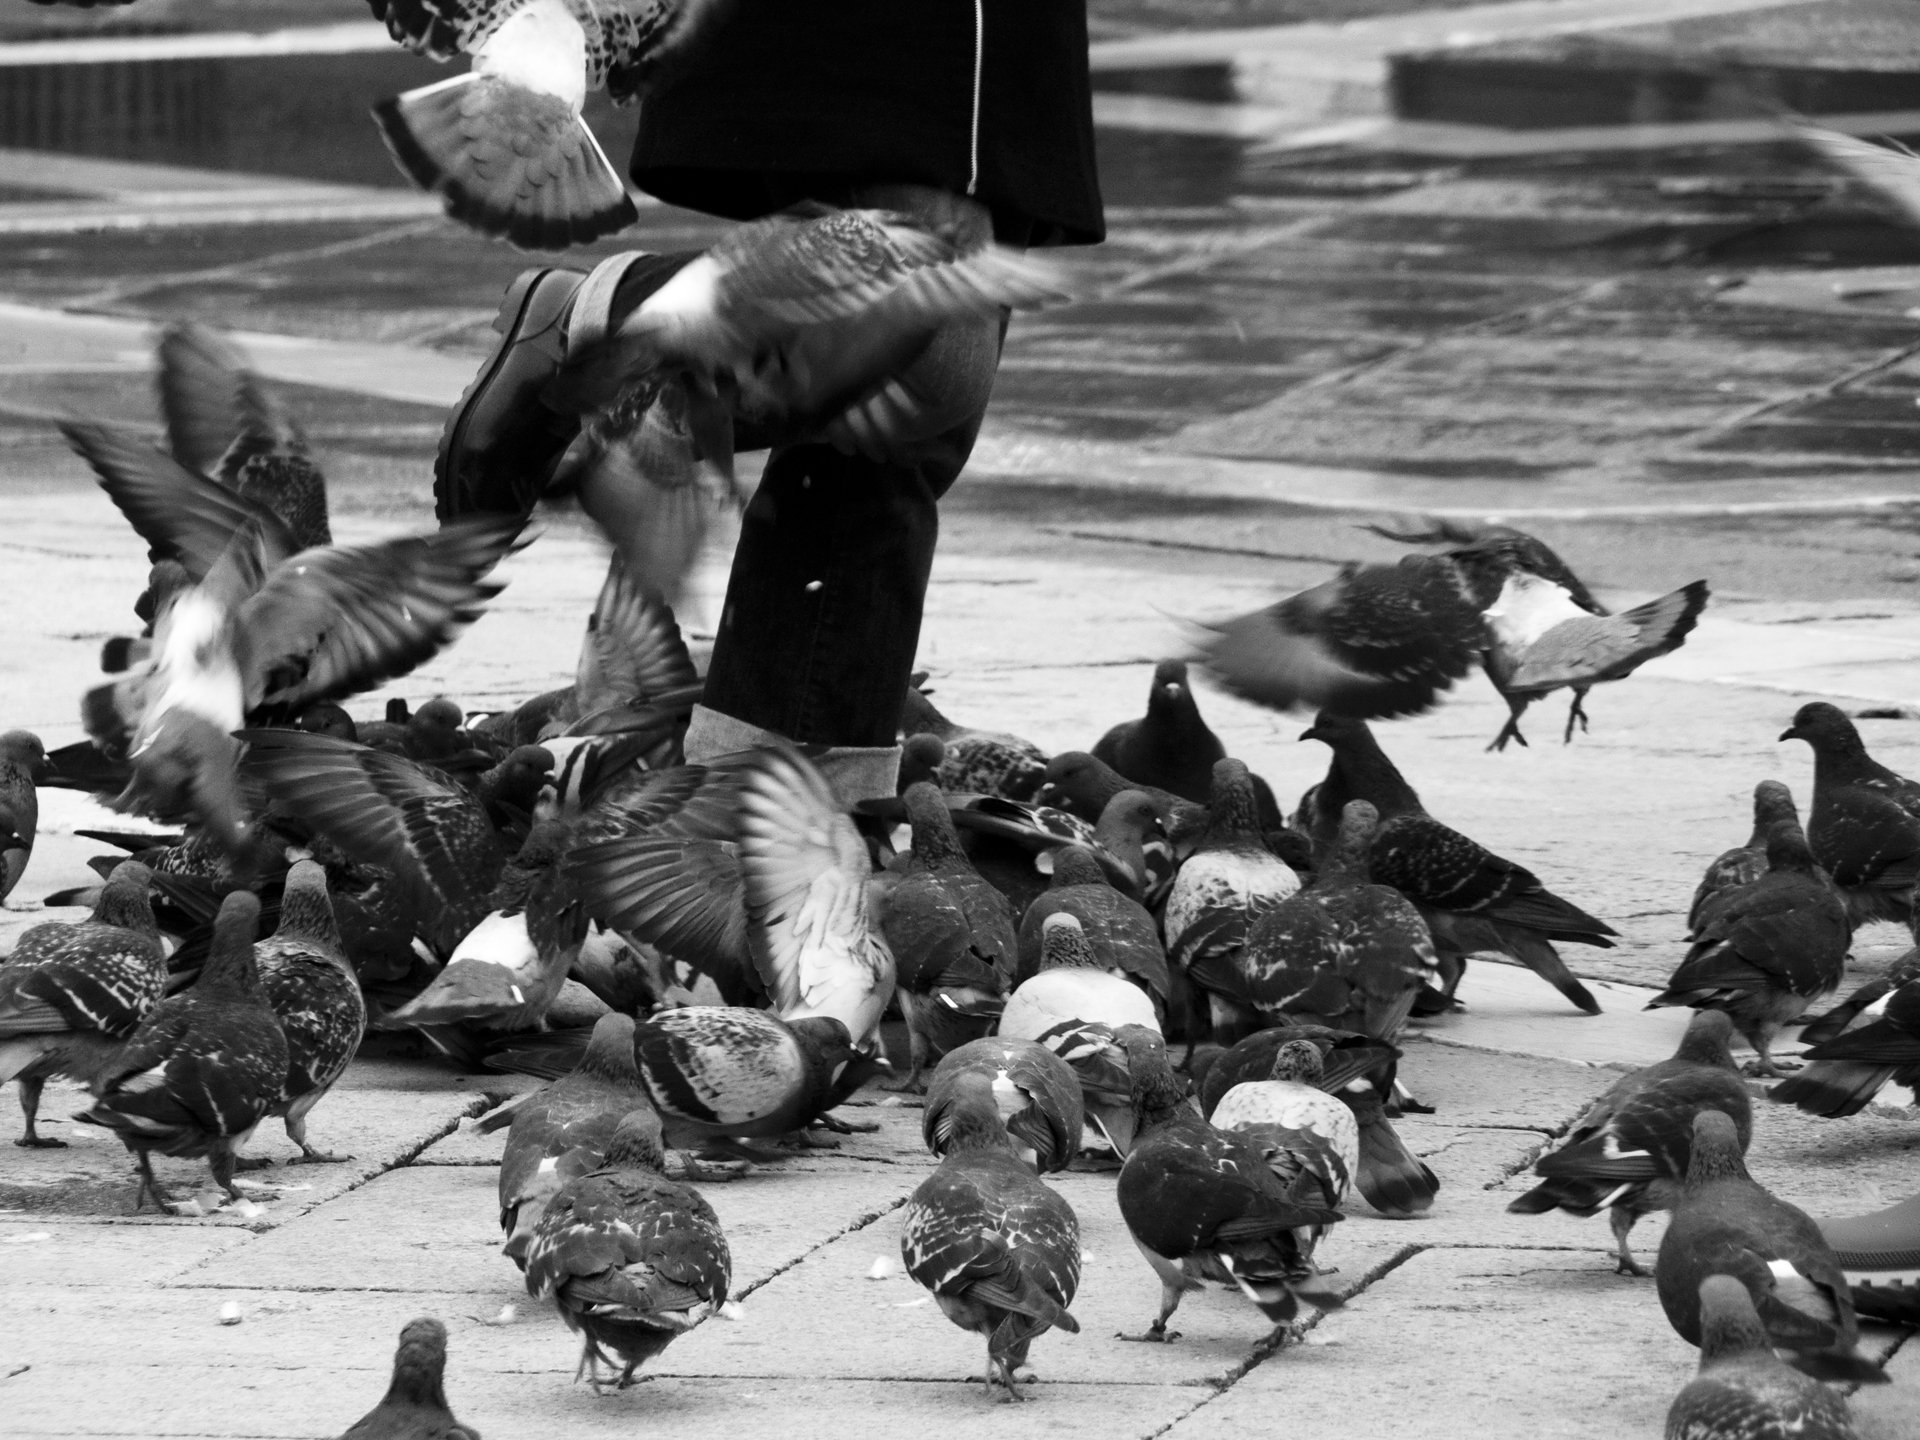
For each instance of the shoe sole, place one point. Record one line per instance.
(519, 303)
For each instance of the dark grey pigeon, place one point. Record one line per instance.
(1744, 1391)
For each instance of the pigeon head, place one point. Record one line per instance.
(304, 907)
(921, 758)
(1064, 945)
(1708, 1040)
(230, 964)
(1298, 1060)
(934, 836)
(1337, 730)
(1787, 847)
(610, 1050)
(828, 1046)
(1827, 729)
(438, 714)
(23, 748)
(1772, 802)
(1717, 1153)
(1360, 769)
(420, 1365)
(637, 1144)
(323, 717)
(1729, 1325)
(1169, 685)
(1233, 811)
(124, 899)
(1078, 782)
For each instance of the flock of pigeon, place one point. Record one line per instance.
(1129, 953)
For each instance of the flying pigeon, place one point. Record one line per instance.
(1628, 1154)
(952, 936)
(203, 1068)
(1384, 640)
(999, 1250)
(1772, 802)
(1202, 1203)
(1471, 899)
(1845, 1074)
(1342, 952)
(316, 998)
(71, 995)
(1763, 953)
(1119, 928)
(632, 1259)
(1725, 1224)
(1036, 1092)
(1219, 895)
(415, 1405)
(504, 145)
(1744, 1391)
(1865, 824)
(22, 762)
(979, 762)
(1356, 1070)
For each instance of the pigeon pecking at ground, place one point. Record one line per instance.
(1629, 1153)
(999, 1249)
(1035, 1091)
(1865, 825)
(1766, 951)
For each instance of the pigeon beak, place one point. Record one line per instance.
(1172, 689)
(1309, 734)
(1790, 733)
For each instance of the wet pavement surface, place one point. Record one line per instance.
(1669, 363)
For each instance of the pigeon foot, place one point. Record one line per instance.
(1157, 1334)
(847, 1127)
(1627, 1265)
(254, 1162)
(40, 1142)
(319, 1157)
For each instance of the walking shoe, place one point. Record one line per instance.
(1880, 1256)
(501, 444)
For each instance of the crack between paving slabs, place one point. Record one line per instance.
(859, 1223)
(477, 1106)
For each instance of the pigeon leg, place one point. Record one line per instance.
(1576, 711)
(148, 1185)
(1516, 707)
(1157, 1333)
(30, 1107)
(221, 1161)
(917, 1051)
(846, 1127)
(708, 1172)
(1622, 1220)
(1761, 1038)
(297, 1132)
(1001, 1364)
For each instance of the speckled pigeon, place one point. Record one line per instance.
(415, 1405)
(1119, 928)
(1744, 1391)
(631, 1258)
(1628, 1154)
(1765, 952)
(1726, 1224)
(1201, 1203)
(1036, 1092)
(70, 995)
(976, 762)
(1310, 1139)
(204, 1067)
(999, 1250)
(1865, 825)
(1471, 899)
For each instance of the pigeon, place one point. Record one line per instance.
(1343, 952)
(1744, 1391)
(204, 1067)
(1865, 823)
(631, 1258)
(952, 937)
(1310, 1139)
(1471, 899)
(224, 421)
(415, 1405)
(563, 1130)
(504, 145)
(723, 1074)
(1772, 802)
(1219, 895)
(265, 628)
(1037, 1094)
(71, 995)
(1120, 929)
(1075, 1008)
(1765, 952)
(1628, 1154)
(1170, 747)
(801, 324)
(998, 1249)
(22, 761)
(1904, 970)
(1379, 641)
(921, 757)
(1725, 1224)
(1081, 785)
(311, 987)
(632, 654)
(976, 762)
(1203, 1203)
(507, 971)
(1847, 1073)
(1356, 1070)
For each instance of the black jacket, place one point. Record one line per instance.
(798, 99)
